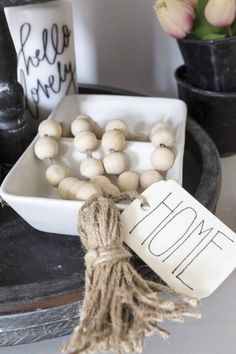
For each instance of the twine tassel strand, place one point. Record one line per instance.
(120, 308)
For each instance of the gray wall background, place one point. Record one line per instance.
(120, 43)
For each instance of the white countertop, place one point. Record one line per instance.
(216, 332)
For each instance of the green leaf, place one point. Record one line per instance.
(202, 28)
(213, 36)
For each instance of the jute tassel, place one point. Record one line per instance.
(120, 308)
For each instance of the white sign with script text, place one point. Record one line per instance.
(180, 240)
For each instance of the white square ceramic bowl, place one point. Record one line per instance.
(25, 188)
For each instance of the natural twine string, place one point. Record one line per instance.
(120, 308)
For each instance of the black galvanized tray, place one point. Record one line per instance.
(42, 275)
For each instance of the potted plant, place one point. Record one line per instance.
(206, 35)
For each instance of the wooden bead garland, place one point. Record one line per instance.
(115, 162)
(91, 167)
(80, 124)
(162, 134)
(108, 188)
(55, 173)
(128, 181)
(113, 142)
(46, 148)
(150, 177)
(162, 159)
(117, 124)
(87, 190)
(163, 138)
(73, 189)
(85, 142)
(86, 123)
(51, 128)
(67, 186)
(119, 307)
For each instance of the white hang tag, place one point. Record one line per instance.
(180, 240)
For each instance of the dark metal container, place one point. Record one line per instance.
(215, 111)
(211, 63)
(7, 3)
(16, 131)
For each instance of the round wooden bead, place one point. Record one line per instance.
(101, 180)
(162, 159)
(73, 190)
(55, 174)
(149, 177)
(65, 130)
(163, 134)
(128, 181)
(117, 124)
(87, 190)
(80, 124)
(51, 128)
(161, 125)
(115, 163)
(46, 148)
(113, 140)
(85, 141)
(108, 188)
(91, 167)
(68, 187)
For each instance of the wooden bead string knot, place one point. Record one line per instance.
(106, 254)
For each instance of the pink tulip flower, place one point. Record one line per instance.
(175, 16)
(220, 13)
